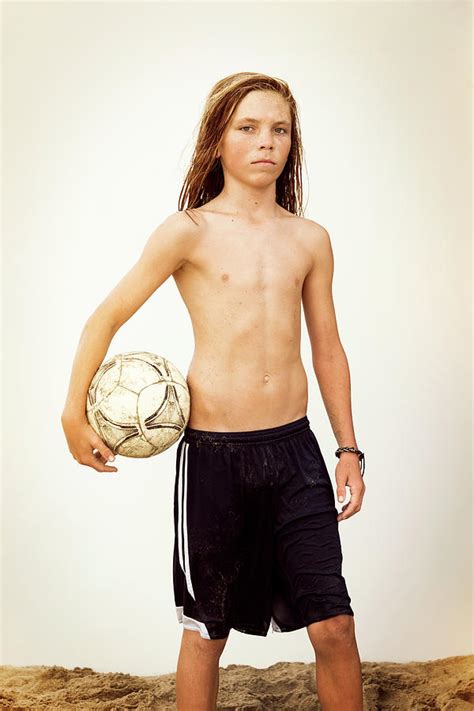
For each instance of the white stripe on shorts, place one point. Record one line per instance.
(182, 519)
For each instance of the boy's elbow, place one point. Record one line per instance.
(327, 351)
(104, 320)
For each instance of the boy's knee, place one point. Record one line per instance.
(328, 634)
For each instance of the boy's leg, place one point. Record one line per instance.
(197, 674)
(311, 588)
(338, 668)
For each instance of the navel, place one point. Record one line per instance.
(266, 378)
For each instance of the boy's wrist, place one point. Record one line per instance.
(352, 450)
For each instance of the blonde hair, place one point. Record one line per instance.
(205, 178)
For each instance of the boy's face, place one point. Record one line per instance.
(267, 135)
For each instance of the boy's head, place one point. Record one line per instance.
(228, 142)
(259, 129)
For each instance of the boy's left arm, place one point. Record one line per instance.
(331, 367)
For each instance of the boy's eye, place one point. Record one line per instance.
(280, 128)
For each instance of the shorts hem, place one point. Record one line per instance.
(224, 635)
(259, 632)
(206, 630)
(335, 613)
(314, 618)
(251, 630)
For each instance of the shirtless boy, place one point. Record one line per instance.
(256, 527)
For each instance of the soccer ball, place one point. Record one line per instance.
(138, 403)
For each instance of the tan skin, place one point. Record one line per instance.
(244, 271)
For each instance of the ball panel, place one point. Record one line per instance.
(138, 372)
(136, 447)
(175, 375)
(120, 407)
(104, 382)
(112, 433)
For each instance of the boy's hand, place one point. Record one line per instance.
(348, 474)
(86, 446)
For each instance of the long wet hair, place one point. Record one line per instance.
(204, 179)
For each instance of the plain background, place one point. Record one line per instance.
(101, 107)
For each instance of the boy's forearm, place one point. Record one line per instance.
(91, 351)
(332, 373)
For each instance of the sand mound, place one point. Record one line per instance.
(442, 684)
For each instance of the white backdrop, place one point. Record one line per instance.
(101, 105)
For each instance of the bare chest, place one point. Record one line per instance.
(245, 267)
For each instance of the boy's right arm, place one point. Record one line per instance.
(165, 251)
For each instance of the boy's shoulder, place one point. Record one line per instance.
(182, 219)
(309, 226)
(176, 233)
(313, 226)
(313, 234)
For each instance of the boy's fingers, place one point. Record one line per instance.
(105, 451)
(96, 464)
(341, 492)
(350, 508)
(103, 461)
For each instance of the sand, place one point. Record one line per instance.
(444, 684)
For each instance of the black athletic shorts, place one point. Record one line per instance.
(256, 532)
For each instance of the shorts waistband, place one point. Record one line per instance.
(269, 434)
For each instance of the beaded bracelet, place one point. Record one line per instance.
(356, 451)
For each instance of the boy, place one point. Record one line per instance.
(256, 528)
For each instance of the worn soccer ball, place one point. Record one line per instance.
(138, 403)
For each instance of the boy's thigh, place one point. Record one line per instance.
(221, 565)
(307, 544)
